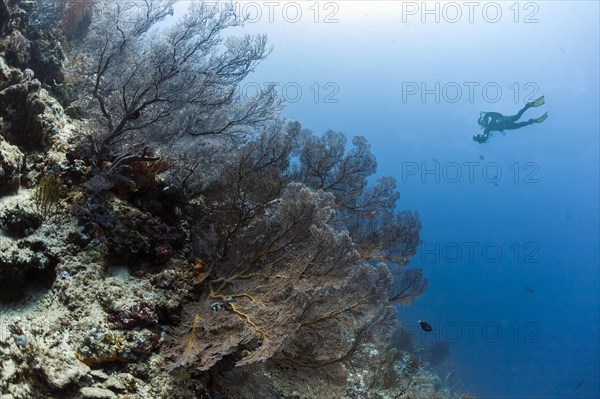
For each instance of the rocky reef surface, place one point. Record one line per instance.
(71, 326)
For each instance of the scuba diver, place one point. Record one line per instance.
(494, 121)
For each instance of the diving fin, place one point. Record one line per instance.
(538, 103)
(541, 118)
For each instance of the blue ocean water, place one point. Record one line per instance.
(510, 227)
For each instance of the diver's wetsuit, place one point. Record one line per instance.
(495, 121)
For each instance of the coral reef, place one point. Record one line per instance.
(29, 115)
(18, 222)
(131, 272)
(30, 39)
(11, 167)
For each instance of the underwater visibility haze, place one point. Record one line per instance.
(510, 226)
(329, 199)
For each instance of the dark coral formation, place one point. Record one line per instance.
(30, 41)
(23, 263)
(134, 238)
(12, 164)
(19, 222)
(28, 114)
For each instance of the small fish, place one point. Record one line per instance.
(481, 157)
(530, 290)
(579, 384)
(425, 326)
